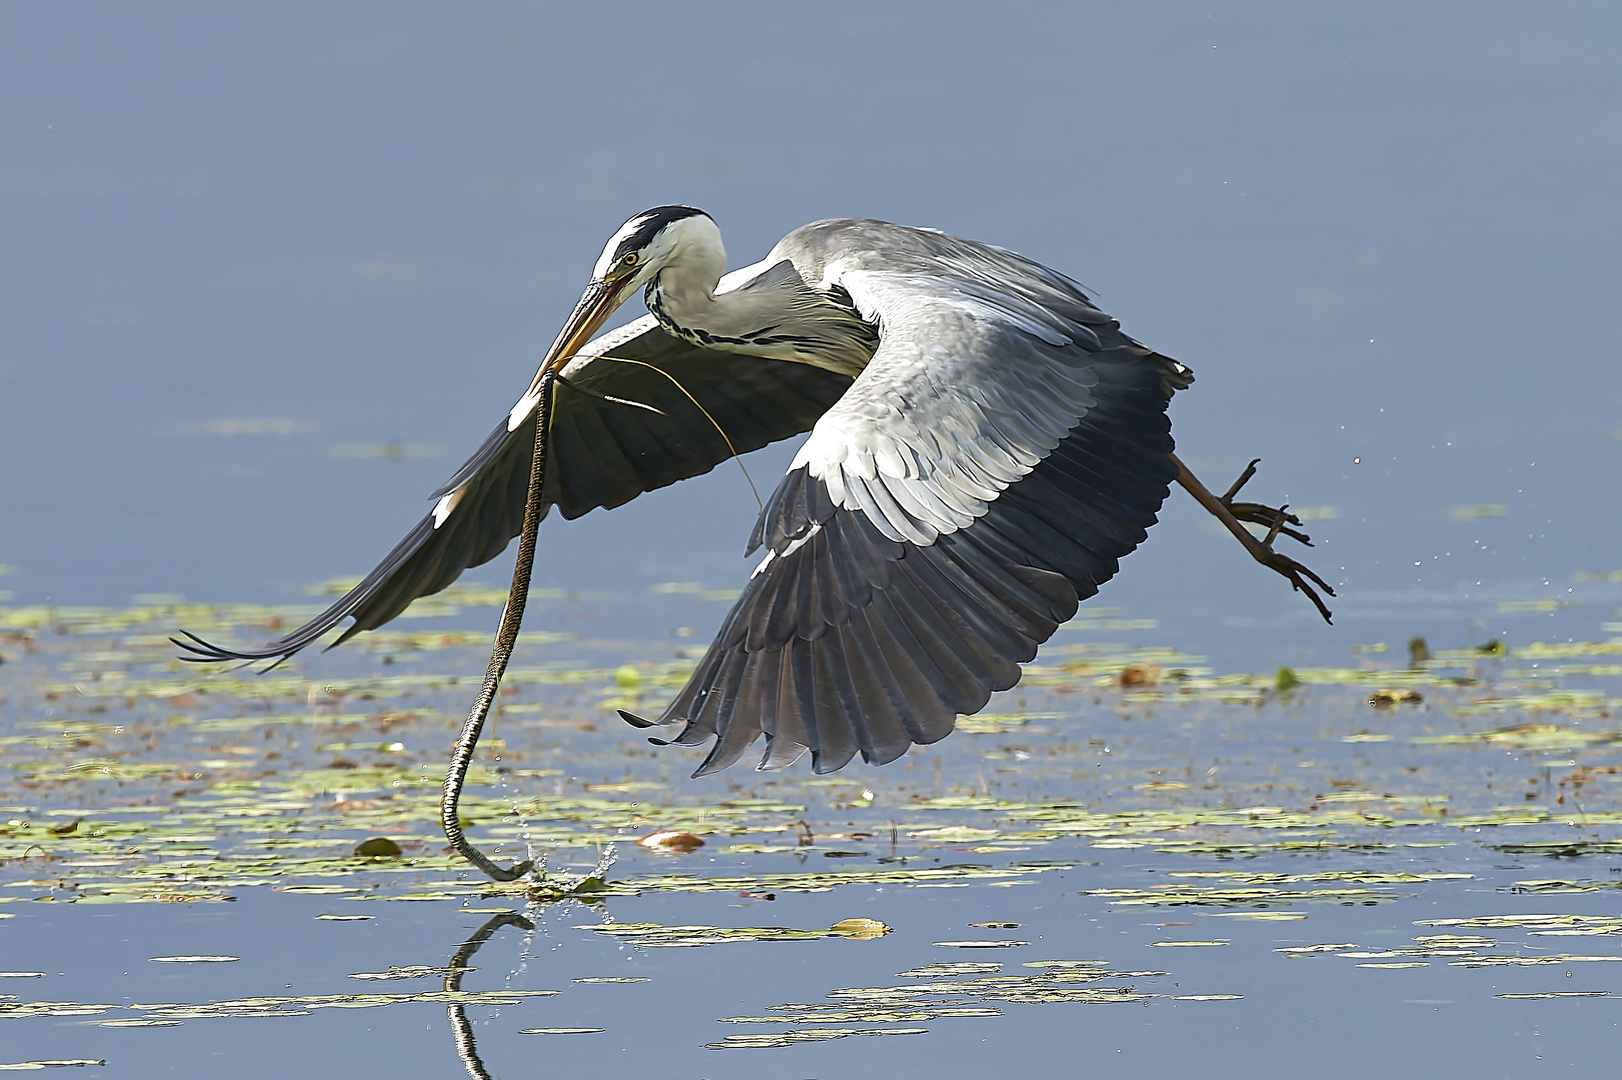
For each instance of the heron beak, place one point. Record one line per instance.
(600, 300)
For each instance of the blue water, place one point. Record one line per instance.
(1386, 234)
(242, 244)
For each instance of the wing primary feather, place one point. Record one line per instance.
(733, 736)
(799, 672)
(790, 724)
(879, 715)
(836, 742)
(922, 714)
(908, 613)
(751, 401)
(980, 640)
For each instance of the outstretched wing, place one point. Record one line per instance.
(600, 453)
(1004, 447)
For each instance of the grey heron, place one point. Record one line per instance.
(985, 445)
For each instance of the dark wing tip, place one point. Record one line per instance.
(635, 720)
(206, 652)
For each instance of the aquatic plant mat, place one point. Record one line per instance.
(216, 872)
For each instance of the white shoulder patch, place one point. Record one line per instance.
(447, 503)
(737, 279)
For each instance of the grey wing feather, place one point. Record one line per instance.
(599, 454)
(1003, 449)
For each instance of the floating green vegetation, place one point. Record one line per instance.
(168, 1014)
(1561, 849)
(1538, 925)
(962, 990)
(827, 881)
(1462, 950)
(412, 971)
(136, 778)
(1562, 885)
(1178, 895)
(994, 723)
(1549, 995)
(655, 936)
(791, 1037)
(50, 1063)
(1529, 736)
(942, 971)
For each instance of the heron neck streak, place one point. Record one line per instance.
(776, 316)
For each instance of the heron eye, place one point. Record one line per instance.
(630, 258)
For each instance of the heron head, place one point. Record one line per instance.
(656, 240)
(676, 239)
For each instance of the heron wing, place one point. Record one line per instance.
(1004, 447)
(600, 453)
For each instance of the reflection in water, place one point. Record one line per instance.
(461, 1027)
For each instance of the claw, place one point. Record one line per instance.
(1276, 521)
(1244, 478)
(1293, 570)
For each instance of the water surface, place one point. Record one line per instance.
(271, 271)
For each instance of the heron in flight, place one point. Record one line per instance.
(985, 445)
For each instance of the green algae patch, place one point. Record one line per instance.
(655, 936)
(960, 991)
(166, 1014)
(134, 778)
(1538, 925)
(50, 1063)
(560, 1031)
(1562, 885)
(941, 971)
(1200, 896)
(1550, 995)
(804, 1035)
(1498, 950)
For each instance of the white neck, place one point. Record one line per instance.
(687, 261)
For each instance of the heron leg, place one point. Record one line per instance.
(1277, 520)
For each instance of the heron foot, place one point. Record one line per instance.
(1276, 520)
(1294, 571)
